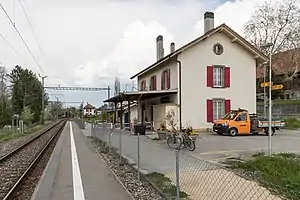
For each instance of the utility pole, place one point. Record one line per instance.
(43, 98)
(265, 98)
(56, 107)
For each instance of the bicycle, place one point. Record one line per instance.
(182, 138)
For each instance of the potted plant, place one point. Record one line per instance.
(162, 132)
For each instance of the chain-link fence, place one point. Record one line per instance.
(181, 176)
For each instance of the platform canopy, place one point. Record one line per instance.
(139, 95)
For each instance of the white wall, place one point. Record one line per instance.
(92, 112)
(133, 113)
(242, 91)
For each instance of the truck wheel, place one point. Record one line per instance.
(267, 131)
(233, 132)
(219, 133)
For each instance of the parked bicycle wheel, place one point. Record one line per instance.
(174, 142)
(189, 144)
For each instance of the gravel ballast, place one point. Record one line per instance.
(9, 145)
(11, 168)
(142, 190)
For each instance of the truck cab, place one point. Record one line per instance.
(233, 123)
(240, 122)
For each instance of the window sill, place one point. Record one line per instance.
(218, 87)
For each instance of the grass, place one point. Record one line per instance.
(165, 185)
(281, 102)
(279, 173)
(9, 135)
(292, 123)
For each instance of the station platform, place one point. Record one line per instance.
(75, 171)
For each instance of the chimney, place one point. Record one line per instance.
(159, 47)
(209, 23)
(172, 47)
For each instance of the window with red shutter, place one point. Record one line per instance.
(209, 110)
(168, 79)
(162, 86)
(227, 77)
(143, 85)
(154, 84)
(227, 105)
(209, 76)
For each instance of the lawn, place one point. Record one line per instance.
(292, 123)
(6, 135)
(279, 173)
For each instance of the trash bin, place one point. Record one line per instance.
(140, 128)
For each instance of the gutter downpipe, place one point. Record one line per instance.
(179, 93)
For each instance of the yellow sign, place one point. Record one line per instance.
(266, 84)
(277, 87)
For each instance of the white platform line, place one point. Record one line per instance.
(77, 182)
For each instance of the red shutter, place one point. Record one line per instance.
(210, 71)
(227, 77)
(154, 83)
(168, 79)
(162, 81)
(142, 85)
(209, 110)
(227, 106)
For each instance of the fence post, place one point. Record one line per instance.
(120, 146)
(92, 129)
(138, 157)
(177, 174)
(109, 135)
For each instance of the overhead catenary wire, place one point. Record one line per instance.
(27, 47)
(31, 27)
(9, 44)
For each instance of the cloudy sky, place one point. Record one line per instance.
(89, 42)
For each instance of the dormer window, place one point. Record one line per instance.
(143, 85)
(165, 79)
(153, 82)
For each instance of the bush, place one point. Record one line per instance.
(292, 123)
(279, 173)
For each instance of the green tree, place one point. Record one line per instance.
(26, 91)
(27, 115)
(5, 104)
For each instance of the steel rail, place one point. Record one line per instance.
(11, 153)
(11, 192)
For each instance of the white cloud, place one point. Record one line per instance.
(233, 13)
(89, 42)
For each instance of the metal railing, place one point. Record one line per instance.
(181, 176)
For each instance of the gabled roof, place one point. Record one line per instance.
(222, 28)
(283, 63)
(88, 106)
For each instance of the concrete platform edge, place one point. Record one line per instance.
(44, 188)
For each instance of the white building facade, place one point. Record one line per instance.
(218, 73)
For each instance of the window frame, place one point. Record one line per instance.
(166, 77)
(221, 75)
(143, 85)
(216, 110)
(153, 83)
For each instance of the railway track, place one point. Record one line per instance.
(17, 165)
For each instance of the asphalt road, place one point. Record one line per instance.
(156, 156)
(213, 147)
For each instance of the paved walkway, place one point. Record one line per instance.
(75, 171)
(199, 178)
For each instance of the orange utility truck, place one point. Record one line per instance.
(240, 122)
